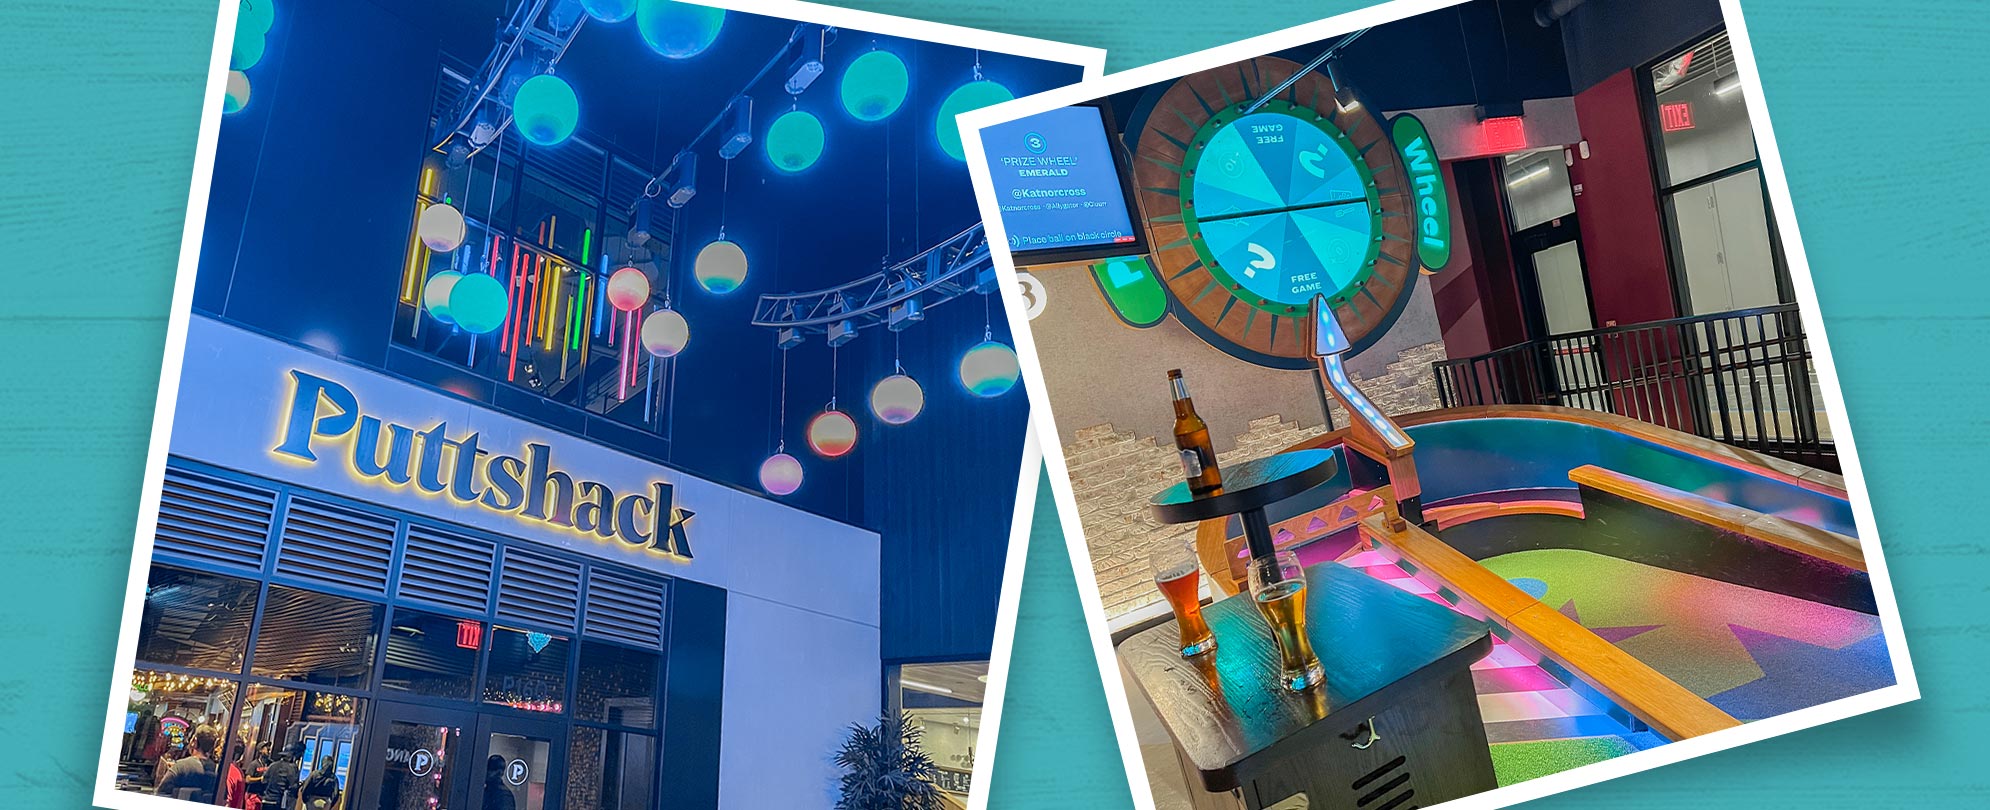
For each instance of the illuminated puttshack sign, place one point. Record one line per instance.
(1433, 205)
(323, 413)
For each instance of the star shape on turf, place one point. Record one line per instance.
(1613, 635)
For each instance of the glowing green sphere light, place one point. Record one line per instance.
(971, 96)
(874, 85)
(610, 11)
(249, 44)
(545, 109)
(478, 303)
(794, 141)
(678, 30)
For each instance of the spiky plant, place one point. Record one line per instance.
(884, 768)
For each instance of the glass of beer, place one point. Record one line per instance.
(1278, 586)
(1178, 576)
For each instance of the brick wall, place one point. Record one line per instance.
(1113, 473)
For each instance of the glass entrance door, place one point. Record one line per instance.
(519, 764)
(417, 761)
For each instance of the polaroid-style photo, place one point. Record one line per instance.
(579, 404)
(1437, 396)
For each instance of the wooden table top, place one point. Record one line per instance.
(1229, 713)
(1252, 484)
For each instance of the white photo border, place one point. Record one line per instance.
(1905, 688)
(1090, 60)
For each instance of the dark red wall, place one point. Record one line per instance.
(1478, 307)
(1622, 243)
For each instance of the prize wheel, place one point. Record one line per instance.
(1253, 211)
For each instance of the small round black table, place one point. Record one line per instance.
(1247, 489)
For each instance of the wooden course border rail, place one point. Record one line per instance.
(1802, 539)
(1672, 710)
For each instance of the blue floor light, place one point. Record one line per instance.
(874, 85)
(678, 30)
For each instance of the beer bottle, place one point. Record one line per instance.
(1192, 440)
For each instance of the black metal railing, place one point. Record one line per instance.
(1744, 378)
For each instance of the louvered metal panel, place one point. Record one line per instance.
(625, 607)
(335, 546)
(578, 166)
(625, 185)
(208, 520)
(538, 590)
(447, 569)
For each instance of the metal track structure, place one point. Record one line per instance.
(537, 30)
(941, 273)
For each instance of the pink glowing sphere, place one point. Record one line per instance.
(832, 433)
(781, 474)
(628, 289)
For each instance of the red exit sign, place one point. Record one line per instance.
(469, 634)
(1504, 134)
(1675, 117)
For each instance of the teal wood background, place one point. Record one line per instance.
(1881, 110)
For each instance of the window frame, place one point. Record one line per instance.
(1664, 193)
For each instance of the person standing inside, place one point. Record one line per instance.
(497, 793)
(321, 791)
(280, 779)
(193, 777)
(253, 780)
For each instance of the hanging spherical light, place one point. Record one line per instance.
(440, 227)
(248, 48)
(874, 85)
(545, 109)
(665, 332)
(678, 30)
(781, 474)
(832, 433)
(794, 141)
(609, 11)
(257, 14)
(989, 369)
(897, 399)
(720, 267)
(971, 96)
(236, 96)
(478, 303)
(628, 289)
(435, 294)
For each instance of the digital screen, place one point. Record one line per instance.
(1282, 208)
(1057, 182)
(345, 759)
(310, 759)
